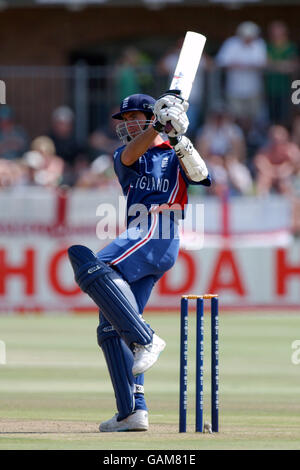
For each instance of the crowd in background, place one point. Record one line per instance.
(249, 136)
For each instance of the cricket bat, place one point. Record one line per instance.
(186, 68)
(187, 65)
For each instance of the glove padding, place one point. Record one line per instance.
(176, 121)
(170, 115)
(170, 100)
(194, 165)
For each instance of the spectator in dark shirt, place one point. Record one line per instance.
(103, 140)
(63, 136)
(13, 138)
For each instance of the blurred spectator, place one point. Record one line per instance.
(145, 72)
(220, 135)
(240, 178)
(13, 138)
(256, 138)
(221, 143)
(99, 142)
(127, 80)
(277, 163)
(42, 165)
(244, 56)
(282, 63)
(63, 136)
(229, 176)
(166, 68)
(295, 200)
(296, 130)
(100, 174)
(11, 174)
(102, 140)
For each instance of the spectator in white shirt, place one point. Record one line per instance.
(244, 56)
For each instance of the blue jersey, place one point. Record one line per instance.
(156, 178)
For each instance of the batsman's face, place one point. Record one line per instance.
(133, 115)
(135, 122)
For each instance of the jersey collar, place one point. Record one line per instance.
(165, 145)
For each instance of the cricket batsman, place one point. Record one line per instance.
(154, 175)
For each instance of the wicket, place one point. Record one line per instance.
(199, 361)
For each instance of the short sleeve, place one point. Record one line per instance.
(225, 55)
(125, 174)
(261, 53)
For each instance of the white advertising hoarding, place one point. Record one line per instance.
(35, 274)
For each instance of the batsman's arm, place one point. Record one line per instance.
(138, 146)
(193, 165)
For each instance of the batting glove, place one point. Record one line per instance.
(176, 121)
(163, 116)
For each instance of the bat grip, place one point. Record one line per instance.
(168, 127)
(173, 92)
(174, 141)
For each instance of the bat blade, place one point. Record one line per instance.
(188, 63)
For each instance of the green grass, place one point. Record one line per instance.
(55, 388)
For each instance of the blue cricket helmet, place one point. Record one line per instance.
(138, 102)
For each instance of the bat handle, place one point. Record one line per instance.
(174, 141)
(168, 127)
(172, 92)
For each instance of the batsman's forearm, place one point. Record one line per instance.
(190, 160)
(138, 146)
